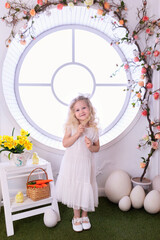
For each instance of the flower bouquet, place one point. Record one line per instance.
(18, 145)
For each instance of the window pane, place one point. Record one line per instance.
(45, 57)
(44, 110)
(71, 81)
(96, 53)
(108, 102)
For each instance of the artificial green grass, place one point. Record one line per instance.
(108, 223)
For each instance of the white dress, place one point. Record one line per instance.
(76, 184)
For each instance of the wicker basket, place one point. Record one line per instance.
(38, 193)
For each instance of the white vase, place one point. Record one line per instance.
(19, 159)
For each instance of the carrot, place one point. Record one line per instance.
(33, 185)
(38, 186)
(43, 181)
(44, 185)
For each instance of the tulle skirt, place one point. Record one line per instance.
(76, 184)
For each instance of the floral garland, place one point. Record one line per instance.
(148, 57)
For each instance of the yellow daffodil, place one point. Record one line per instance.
(18, 145)
(23, 132)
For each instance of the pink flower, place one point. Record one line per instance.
(7, 5)
(153, 66)
(143, 70)
(40, 2)
(154, 145)
(136, 59)
(148, 30)
(32, 12)
(126, 66)
(23, 42)
(142, 165)
(135, 37)
(145, 18)
(141, 83)
(148, 52)
(156, 53)
(158, 127)
(144, 113)
(139, 95)
(149, 85)
(157, 136)
(59, 6)
(156, 95)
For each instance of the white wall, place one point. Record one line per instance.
(123, 154)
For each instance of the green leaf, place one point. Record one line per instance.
(17, 9)
(158, 67)
(141, 22)
(26, 17)
(9, 156)
(122, 4)
(13, 132)
(31, 183)
(133, 104)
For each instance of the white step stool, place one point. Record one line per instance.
(9, 173)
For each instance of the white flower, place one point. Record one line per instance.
(136, 53)
(89, 2)
(71, 4)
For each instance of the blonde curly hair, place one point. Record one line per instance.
(73, 121)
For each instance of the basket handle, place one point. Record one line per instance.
(35, 170)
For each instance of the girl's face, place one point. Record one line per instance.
(81, 111)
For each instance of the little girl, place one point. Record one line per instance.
(76, 184)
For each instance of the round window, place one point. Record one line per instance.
(63, 62)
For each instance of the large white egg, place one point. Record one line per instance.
(125, 203)
(50, 218)
(152, 202)
(137, 197)
(117, 185)
(156, 183)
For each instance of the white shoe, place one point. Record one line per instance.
(86, 223)
(77, 227)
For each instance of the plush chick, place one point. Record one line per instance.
(19, 197)
(35, 158)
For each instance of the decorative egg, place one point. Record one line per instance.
(125, 203)
(156, 183)
(117, 185)
(137, 197)
(19, 198)
(152, 202)
(50, 218)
